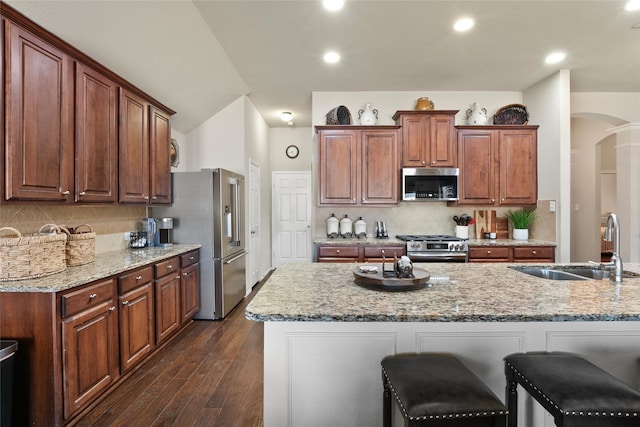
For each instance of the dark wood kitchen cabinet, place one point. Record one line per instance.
(512, 254)
(137, 316)
(498, 165)
(358, 165)
(96, 146)
(89, 344)
(167, 295)
(145, 165)
(189, 285)
(428, 138)
(376, 254)
(39, 118)
(326, 252)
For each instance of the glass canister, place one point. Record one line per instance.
(332, 226)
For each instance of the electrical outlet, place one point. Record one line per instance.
(127, 236)
(552, 206)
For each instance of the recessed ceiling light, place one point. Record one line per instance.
(333, 4)
(632, 5)
(331, 57)
(286, 116)
(555, 57)
(463, 24)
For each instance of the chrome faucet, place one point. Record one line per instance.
(615, 266)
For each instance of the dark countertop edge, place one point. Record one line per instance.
(439, 319)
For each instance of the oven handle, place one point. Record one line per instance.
(437, 257)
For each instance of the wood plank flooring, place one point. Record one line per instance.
(210, 375)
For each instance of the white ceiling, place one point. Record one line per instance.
(199, 56)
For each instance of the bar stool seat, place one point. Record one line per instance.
(438, 390)
(574, 391)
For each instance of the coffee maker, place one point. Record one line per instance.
(164, 235)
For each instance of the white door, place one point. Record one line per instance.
(255, 253)
(291, 217)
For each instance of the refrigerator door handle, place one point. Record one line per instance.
(235, 196)
(235, 258)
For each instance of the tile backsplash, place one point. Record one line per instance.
(108, 222)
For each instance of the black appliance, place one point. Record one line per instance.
(435, 248)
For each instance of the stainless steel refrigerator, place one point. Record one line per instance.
(208, 208)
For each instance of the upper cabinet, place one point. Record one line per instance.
(96, 148)
(428, 138)
(498, 165)
(69, 137)
(358, 165)
(39, 112)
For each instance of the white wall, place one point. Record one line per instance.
(548, 103)
(281, 138)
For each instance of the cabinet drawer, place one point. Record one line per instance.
(533, 253)
(387, 251)
(132, 280)
(489, 253)
(189, 258)
(76, 301)
(338, 252)
(167, 266)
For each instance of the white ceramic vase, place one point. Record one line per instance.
(368, 116)
(520, 234)
(476, 115)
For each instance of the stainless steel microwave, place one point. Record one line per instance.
(430, 184)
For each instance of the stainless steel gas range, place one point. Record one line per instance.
(435, 248)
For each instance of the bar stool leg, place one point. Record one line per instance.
(512, 399)
(386, 404)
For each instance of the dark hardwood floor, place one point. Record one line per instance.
(210, 375)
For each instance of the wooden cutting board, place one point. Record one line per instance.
(502, 228)
(485, 222)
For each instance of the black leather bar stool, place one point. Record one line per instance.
(438, 390)
(574, 391)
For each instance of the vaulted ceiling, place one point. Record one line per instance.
(198, 56)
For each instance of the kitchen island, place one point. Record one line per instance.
(324, 336)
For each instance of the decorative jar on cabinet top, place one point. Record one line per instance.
(476, 115)
(367, 115)
(424, 103)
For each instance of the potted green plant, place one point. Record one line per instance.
(521, 219)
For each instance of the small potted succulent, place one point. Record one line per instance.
(521, 219)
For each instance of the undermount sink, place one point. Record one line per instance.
(569, 272)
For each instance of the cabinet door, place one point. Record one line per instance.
(160, 157)
(518, 167)
(476, 161)
(167, 306)
(96, 137)
(39, 114)
(133, 149)
(137, 324)
(190, 292)
(415, 141)
(442, 140)
(338, 163)
(380, 168)
(89, 354)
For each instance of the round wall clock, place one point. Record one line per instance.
(292, 151)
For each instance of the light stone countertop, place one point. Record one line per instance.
(105, 265)
(476, 292)
(395, 241)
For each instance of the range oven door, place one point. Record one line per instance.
(437, 256)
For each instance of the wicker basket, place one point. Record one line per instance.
(34, 255)
(81, 245)
(339, 116)
(512, 114)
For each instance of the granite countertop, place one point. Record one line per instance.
(105, 265)
(475, 292)
(396, 241)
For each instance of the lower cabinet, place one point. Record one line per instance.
(167, 292)
(189, 285)
(137, 316)
(512, 254)
(358, 253)
(89, 344)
